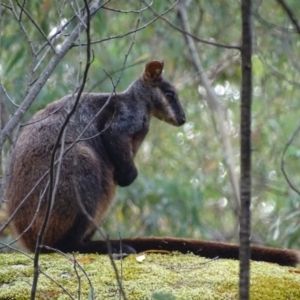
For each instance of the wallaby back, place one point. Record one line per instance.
(101, 150)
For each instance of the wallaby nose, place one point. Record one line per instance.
(181, 120)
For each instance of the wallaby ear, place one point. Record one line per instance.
(153, 70)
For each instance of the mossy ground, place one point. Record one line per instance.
(184, 276)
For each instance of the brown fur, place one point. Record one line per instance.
(97, 164)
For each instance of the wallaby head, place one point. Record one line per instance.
(164, 99)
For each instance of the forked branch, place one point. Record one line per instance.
(40, 82)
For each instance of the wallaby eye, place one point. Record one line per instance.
(169, 94)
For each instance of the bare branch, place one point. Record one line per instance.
(23, 28)
(114, 72)
(37, 86)
(8, 163)
(282, 165)
(130, 11)
(43, 272)
(103, 235)
(57, 33)
(29, 41)
(37, 210)
(22, 202)
(4, 91)
(279, 75)
(77, 14)
(58, 284)
(62, 27)
(6, 6)
(73, 259)
(52, 186)
(134, 30)
(191, 35)
(36, 26)
(290, 15)
(215, 106)
(77, 276)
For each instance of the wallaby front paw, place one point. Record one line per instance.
(125, 176)
(121, 250)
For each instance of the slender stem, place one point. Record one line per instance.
(290, 14)
(216, 108)
(51, 194)
(40, 82)
(245, 132)
(1, 103)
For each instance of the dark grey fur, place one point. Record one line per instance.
(101, 160)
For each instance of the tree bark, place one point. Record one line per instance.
(245, 132)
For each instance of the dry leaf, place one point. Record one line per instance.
(141, 258)
(84, 260)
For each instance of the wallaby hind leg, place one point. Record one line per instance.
(28, 228)
(100, 247)
(90, 190)
(82, 178)
(71, 243)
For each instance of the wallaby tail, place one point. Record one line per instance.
(284, 257)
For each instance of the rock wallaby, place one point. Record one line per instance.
(102, 138)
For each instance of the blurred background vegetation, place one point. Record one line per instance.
(183, 188)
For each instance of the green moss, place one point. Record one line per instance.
(184, 276)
